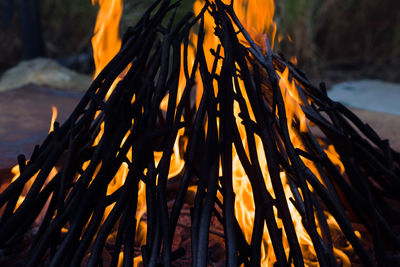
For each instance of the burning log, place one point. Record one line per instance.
(266, 152)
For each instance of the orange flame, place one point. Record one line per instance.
(257, 17)
(54, 115)
(106, 44)
(106, 41)
(16, 172)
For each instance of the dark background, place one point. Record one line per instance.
(334, 40)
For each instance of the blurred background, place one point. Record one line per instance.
(333, 40)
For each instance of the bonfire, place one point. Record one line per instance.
(202, 115)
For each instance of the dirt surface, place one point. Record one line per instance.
(386, 125)
(25, 115)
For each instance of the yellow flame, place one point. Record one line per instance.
(106, 41)
(257, 17)
(335, 158)
(53, 118)
(259, 23)
(17, 172)
(106, 44)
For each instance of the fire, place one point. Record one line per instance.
(106, 41)
(260, 23)
(17, 172)
(54, 115)
(257, 17)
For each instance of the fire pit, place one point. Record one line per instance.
(200, 119)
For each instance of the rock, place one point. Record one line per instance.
(43, 71)
(371, 95)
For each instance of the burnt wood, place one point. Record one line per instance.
(74, 229)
